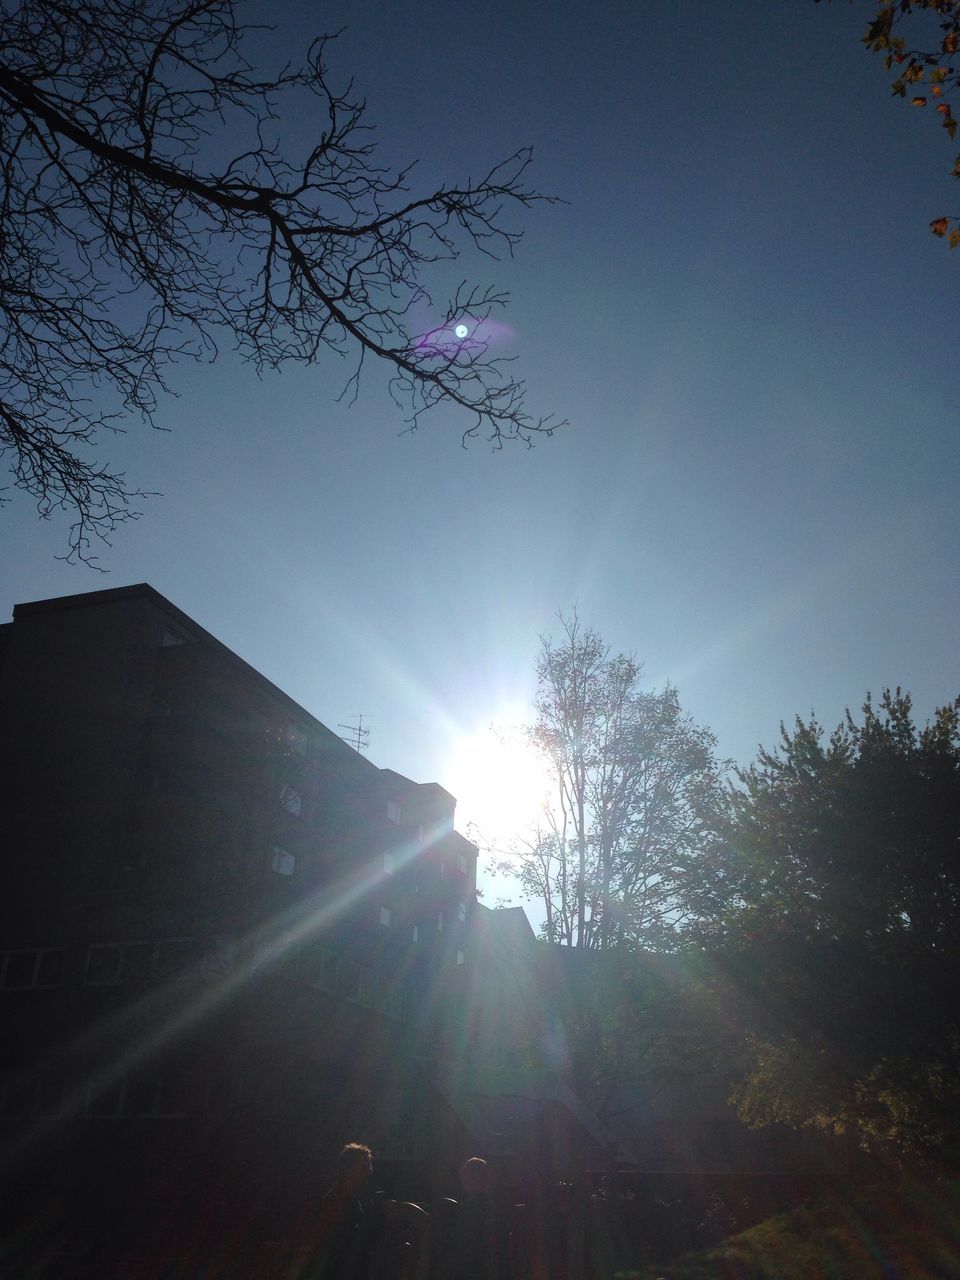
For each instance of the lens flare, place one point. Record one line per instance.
(468, 337)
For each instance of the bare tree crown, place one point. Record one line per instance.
(131, 240)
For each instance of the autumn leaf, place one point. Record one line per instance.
(878, 32)
(951, 42)
(954, 239)
(918, 102)
(939, 226)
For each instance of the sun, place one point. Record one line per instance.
(501, 783)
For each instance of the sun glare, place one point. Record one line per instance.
(501, 783)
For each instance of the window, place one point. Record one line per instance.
(319, 968)
(40, 967)
(140, 1095)
(394, 812)
(217, 957)
(458, 1015)
(287, 956)
(282, 861)
(385, 916)
(169, 638)
(138, 962)
(105, 1099)
(462, 863)
(461, 911)
(389, 863)
(461, 958)
(19, 1096)
(367, 990)
(291, 800)
(49, 1095)
(175, 957)
(440, 922)
(32, 1095)
(394, 999)
(110, 964)
(350, 980)
(416, 933)
(443, 870)
(104, 966)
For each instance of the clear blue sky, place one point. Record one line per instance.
(739, 309)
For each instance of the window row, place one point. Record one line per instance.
(115, 963)
(291, 800)
(168, 1093)
(397, 814)
(387, 920)
(178, 1092)
(284, 863)
(27, 968)
(319, 967)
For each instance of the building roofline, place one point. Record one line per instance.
(84, 598)
(143, 590)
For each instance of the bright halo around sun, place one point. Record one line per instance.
(461, 331)
(500, 782)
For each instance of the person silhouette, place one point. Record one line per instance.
(346, 1229)
(480, 1234)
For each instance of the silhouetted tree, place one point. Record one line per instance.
(636, 1023)
(841, 945)
(150, 207)
(624, 854)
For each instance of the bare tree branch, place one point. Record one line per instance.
(133, 236)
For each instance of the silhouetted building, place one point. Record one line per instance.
(228, 943)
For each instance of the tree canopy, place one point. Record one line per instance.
(623, 854)
(151, 208)
(841, 944)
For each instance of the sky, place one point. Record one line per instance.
(741, 312)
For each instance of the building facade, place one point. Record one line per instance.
(229, 943)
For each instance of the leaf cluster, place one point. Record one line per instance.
(919, 41)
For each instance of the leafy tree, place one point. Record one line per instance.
(150, 209)
(635, 1023)
(920, 41)
(841, 946)
(623, 854)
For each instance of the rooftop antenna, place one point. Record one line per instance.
(358, 737)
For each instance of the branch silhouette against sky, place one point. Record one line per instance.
(152, 209)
